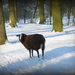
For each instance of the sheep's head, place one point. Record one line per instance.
(22, 37)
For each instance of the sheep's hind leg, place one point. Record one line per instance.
(42, 54)
(30, 53)
(38, 55)
(43, 47)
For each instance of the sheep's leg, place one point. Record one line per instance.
(42, 54)
(30, 53)
(38, 53)
(43, 46)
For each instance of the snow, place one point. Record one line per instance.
(59, 52)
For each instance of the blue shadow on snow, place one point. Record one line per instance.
(10, 69)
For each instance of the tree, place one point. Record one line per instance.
(32, 19)
(15, 9)
(25, 2)
(2, 26)
(50, 11)
(41, 11)
(73, 17)
(73, 12)
(69, 10)
(12, 16)
(57, 16)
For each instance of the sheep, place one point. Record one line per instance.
(33, 42)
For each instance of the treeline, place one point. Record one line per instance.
(13, 11)
(28, 9)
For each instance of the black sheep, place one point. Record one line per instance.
(33, 42)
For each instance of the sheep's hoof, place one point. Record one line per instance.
(39, 59)
(30, 57)
(43, 58)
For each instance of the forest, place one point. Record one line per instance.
(16, 10)
(54, 19)
(33, 11)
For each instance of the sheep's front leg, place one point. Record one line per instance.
(30, 53)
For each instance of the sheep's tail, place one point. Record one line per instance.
(41, 46)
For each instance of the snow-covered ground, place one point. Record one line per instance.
(59, 56)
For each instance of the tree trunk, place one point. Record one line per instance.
(50, 11)
(69, 10)
(2, 26)
(24, 15)
(73, 17)
(57, 16)
(32, 18)
(15, 7)
(25, 11)
(68, 17)
(41, 11)
(12, 16)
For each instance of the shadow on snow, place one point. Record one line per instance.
(55, 61)
(61, 34)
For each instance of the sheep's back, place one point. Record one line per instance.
(35, 40)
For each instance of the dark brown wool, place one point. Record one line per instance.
(33, 42)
